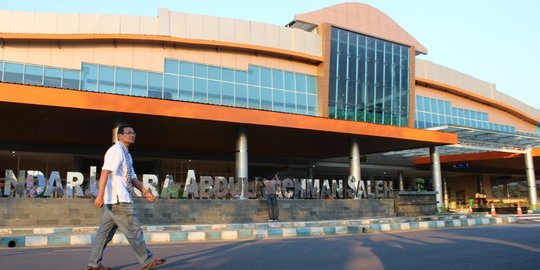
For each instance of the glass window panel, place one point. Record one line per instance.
(123, 81)
(461, 112)
(170, 86)
(106, 79)
(53, 77)
(33, 75)
(290, 101)
(186, 88)
(200, 71)
(279, 100)
(441, 108)
(214, 73)
(227, 94)
(71, 79)
(277, 77)
(240, 76)
(13, 73)
(266, 98)
(241, 95)
(186, 68)
(254, 97)
(312, 85)
(155, 85)
(289, 81)
(89, 78)
(301, 83)
(171, 66)
(139, 83)
(200, 90)
(228, 74)
(301, 103)
(214, 92)
(434, 106)
(266, 77)
(419, 103)
(254, 77)
(312, 104)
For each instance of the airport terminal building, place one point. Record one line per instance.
(335, 93)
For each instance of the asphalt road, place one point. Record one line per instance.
(515, 246)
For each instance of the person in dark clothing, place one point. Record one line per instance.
(271, 185)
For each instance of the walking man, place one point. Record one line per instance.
(271, 185)
(116, 183)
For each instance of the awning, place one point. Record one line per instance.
(475, 140)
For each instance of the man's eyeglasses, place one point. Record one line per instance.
(129, 133)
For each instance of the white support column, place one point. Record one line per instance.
(401, 184)
(445, 190)
(531, 179)
(436, 175)
(354, 162)
(242, 160)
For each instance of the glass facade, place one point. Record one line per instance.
(431, 112)
(369, 79)
(257, 88)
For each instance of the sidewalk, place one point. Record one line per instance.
(81, 236)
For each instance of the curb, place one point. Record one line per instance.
(83, 236)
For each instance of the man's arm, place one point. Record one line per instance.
(148, 195)
(103, 178)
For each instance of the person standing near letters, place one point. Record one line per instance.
(271, 185)
(116, 183)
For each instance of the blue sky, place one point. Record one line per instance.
(493, 40)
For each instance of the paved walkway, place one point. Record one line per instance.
(77, 236)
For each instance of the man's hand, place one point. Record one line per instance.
(98, 202)
(149, 197)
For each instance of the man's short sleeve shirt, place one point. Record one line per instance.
(116, 189)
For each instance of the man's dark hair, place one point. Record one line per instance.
(122, 127)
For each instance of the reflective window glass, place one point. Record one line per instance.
(13, 73)
(289, 81)
(240, 77)
(123, 81)
(254, 97)
(200, 90)
(228, 74)
(155, 85)
(266, 77)
(53, 77)
(139, 83)
(279, 100)
(71, 79)
(277, 79)
(33, 75)
(89, 77)
(300, 83)
(186, 68)
(106, 79)
(254, 77)
(312, 104)
(301, 103)
(214, 73)
(186, 88)
(241, 95)
(170, 86)
(266, 98)
(200, 71)
(227, 94)
(214, 92)
(171, 66)
(290, 101)
(312, 85)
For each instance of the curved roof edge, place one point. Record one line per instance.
(460, 83)
(362, 18)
